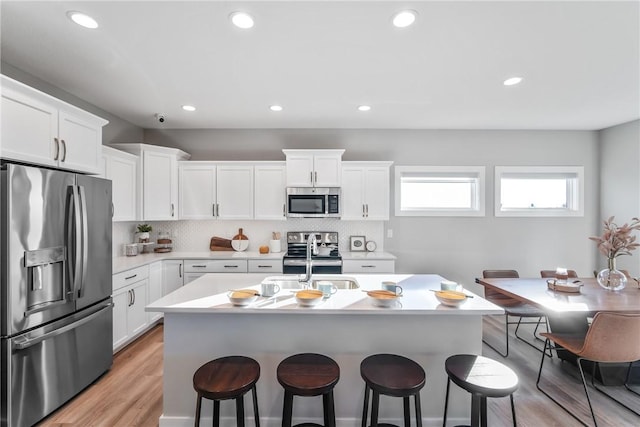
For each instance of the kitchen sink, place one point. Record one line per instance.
(290, 283)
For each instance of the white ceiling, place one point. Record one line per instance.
(580, 61)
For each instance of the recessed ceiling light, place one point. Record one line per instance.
(242, 20)
(512, 81)
(82, 19)
(276, 108)
(188, 108)
(404, 18)
(364, 107)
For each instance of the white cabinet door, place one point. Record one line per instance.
(29, 129)
(155, 288)
(376, 193)
(172, 275)
(190, 277)
(121, 299)
(136, 316)
(159, 186)
(235, 191)
(122, 169)
(300, 170)
(365, 191)
(197, 191)
(327, 170)
(81, 142)
(380, 266)
(270, 192)
(353, 204)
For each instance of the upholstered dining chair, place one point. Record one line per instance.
(611, 338)
(512, 307)
(552, 273)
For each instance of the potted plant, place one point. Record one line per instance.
(143, 233)
(616, 240)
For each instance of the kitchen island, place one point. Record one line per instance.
(201, 325)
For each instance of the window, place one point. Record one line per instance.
(539, 191)
(439, 190)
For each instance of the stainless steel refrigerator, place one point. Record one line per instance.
(55, 300)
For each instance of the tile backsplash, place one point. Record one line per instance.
(191, 236)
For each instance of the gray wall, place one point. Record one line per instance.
(458, 248)
(115, 131)
(620, 181)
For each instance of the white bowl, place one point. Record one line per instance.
(242, 297)
(383, 298)
(309, 297)
(240, 245)
(451, 298)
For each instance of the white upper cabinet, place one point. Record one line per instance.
(269, 185)
(158, 180)
(313, 168)
(40, 129)
(365, 190)
(219, 190)
(121, 168)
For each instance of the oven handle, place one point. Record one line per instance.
(33, 341)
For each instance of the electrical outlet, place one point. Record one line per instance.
(389, 233)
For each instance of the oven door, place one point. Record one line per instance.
(299, 266)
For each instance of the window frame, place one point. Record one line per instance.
(575, 205)
(476, 172)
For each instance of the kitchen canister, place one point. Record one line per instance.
(131, 249)
(274, 246)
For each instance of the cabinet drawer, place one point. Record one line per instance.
(367, 266)
(215, 266)
(128, 277)
(267, 265)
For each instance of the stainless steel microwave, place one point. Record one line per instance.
(313, 202)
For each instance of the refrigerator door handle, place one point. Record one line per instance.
(74, 241)
(33, 341)
(84, 239)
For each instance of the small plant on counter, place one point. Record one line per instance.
(143, 232)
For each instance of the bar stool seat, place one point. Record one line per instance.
(391, 375)
(225, 378)
(482, 377)
(308, 374)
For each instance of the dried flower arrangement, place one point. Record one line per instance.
(617, 240)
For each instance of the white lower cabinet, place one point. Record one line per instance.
(190, 277)
(215, 266)
(353, 266)
(265, 266)
(129, 316)
(156, 286)
(172, 275)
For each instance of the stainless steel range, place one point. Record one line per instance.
(326, 261)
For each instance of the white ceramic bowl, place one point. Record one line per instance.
(242, 297)
(383, 298)
(309, 297)
(240, 245)
(451, 298)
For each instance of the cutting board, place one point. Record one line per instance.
(240, 241)
(220, 244)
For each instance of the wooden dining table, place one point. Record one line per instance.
(569, 312)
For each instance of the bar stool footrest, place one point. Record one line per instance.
(308, 425)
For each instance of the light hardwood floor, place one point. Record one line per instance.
(131, 393)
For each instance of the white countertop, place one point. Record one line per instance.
(208, 294)
(123, 263)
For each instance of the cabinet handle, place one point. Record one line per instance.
(284, 209)
(265, 266)
(199, 266)
(130, 298)
(363, 214)
(57, 148)
(179, 270)
(133, 291)
(368, 266)
(64, 146)
(311, 177)
(130, 277)
(315, 181)
(367, 205)
(230, 266)
(172, 209)
(113, 210)
(217, 210)
(213, 209)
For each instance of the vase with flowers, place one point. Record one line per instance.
(616, 240)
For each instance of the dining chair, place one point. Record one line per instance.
(552, 273)
(611, 338)
(512, 307)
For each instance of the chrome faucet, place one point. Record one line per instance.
(312, 247)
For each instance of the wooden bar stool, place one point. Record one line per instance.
(482, 377)
(225, 378)
(391, 375)
(308, 374)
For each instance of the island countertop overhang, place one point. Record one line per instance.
(208, 294)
